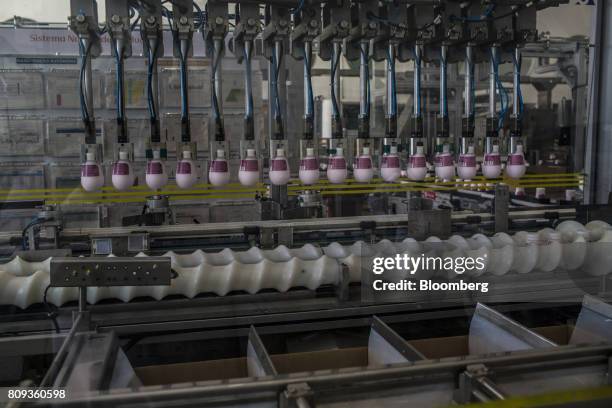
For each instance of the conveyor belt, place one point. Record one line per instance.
(571, 247)
(77, 196)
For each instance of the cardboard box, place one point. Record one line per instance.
(458, 346)
(320, 360)
(433, 348)
(195, 371)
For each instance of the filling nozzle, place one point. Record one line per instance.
(469, 106)
(277, 56)
(363, 126)
(442, 121)
(249, 124)
(492, 127)
(443, 125)
(248, 174)
(119, 48)
(336, 118)
(417, 116)
(517, 97)
(308, 132)
(153, 44)
(184, 46)
(516, 166)
(309, 162)
(391, 114)
(216, 99)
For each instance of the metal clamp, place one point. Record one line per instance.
(296, 395)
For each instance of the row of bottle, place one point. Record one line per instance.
(156, 176)
(467, 167)
(123, 177)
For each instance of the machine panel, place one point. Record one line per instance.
(114, 271)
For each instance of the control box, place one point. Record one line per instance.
(110, 271)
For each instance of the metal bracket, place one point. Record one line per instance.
(296, 395)
(217, 24)
(84, 22)
(151, 25)
(118, 25)
(342, 287)
(500, 207)
(276, 30)
(120, 245)
(363, 29)
(266, 239)
(307, 28)
(475, 385)
(246, 29)
(182, 21)
(336, 26)
(285, 236)
(425, 223)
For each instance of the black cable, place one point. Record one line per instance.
(200, 15)
(83, 100)
(277, 64)
(119, 86)
(142, 214)
(307, 64)
(135, 23)
(335, 65)
(489, 17)
(24, 232)
(51, 314)
(520, 7)
(152, 57)
(215, 97)
(372, 16)
(390, 23)
(183, 79)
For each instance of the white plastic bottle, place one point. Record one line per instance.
(186, 176)
(491, 164)
(362, 169)
(336, 167)
(516, 166)
(279, 169)
(390, 169)
(92, 177)
(467, 167)
(248, 175)
(444, 166)
(218, 171)
(309, 168)
(417, 165)
(156, 176)
(123, 176)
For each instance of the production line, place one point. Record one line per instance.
(201, 220)
(369, 36)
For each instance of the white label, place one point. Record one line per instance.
(21, 137)
(21, 90)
